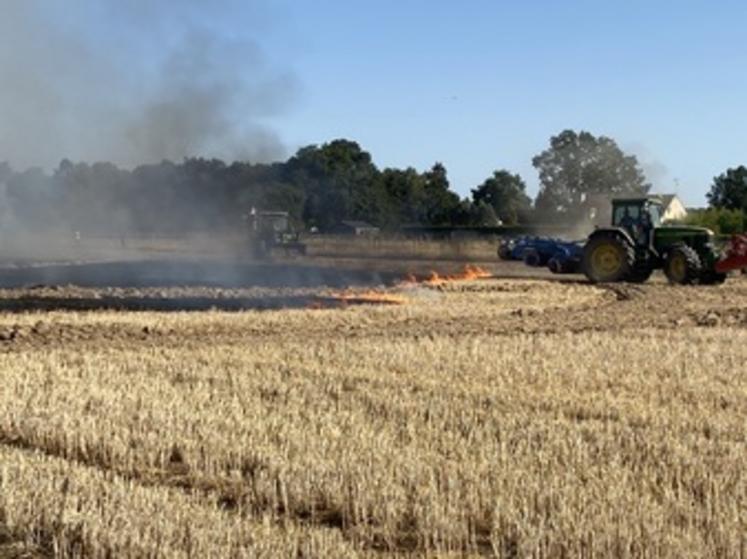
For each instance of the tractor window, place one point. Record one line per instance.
(626, 213)
(655, 212)
(280, 224)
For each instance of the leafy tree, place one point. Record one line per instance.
(577, 164)
(403, 193)
(264, 187)
(723, 221)
(463, 214)
(155, 201)
(283, 197)
(206, 195)
(340, 182)
(505, 193)
(729, 190)
(319, 185)
(33, 201)
(94, 197)
(440, 204)
(482, 214)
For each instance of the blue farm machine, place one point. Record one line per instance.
(560, 256)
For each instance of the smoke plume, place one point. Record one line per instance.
(654, 169)
(132, 82)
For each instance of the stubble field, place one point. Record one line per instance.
(496, 417)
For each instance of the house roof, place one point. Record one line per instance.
(665, 199)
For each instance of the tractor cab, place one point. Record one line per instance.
(638, 216)
(272, 230)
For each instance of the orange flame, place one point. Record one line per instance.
(371, 297)
(469, 272)
(377, 297)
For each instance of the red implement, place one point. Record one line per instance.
(734, 256)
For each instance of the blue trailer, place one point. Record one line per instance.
(567, 258)
(557, 254)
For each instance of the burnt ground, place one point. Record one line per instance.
(183, 284)
(618, 308)
(206, 272)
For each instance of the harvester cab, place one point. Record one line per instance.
(636, 244)
(270, 231)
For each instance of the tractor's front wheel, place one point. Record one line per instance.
(683, 265)
(712, 278)
(607, 259)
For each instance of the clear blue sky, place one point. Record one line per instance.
(477, 85)
(483, 84)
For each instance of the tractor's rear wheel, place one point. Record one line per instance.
(683, 265)
(608, 259)
(640, 273)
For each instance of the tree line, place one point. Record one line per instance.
(320, 186)
(727, 200)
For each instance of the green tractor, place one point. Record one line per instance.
(272, 232)
(636, 244)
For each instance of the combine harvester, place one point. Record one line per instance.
(636, 244)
